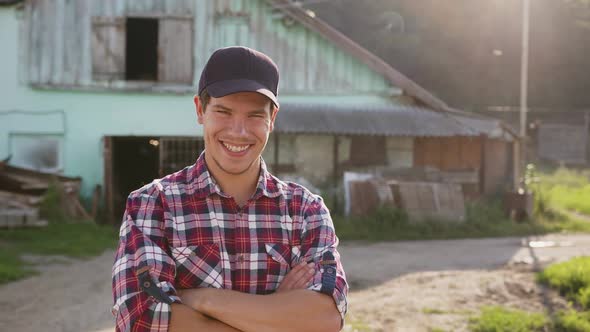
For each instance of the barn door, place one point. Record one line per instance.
(175, 50)
(109, 182)
(108, 48)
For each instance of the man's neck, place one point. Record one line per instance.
(239, 186)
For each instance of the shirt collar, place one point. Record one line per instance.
(206, 184)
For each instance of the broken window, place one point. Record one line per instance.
(178, 152)
(142, 47)
(367, 151)
(37, 152)
(158, 49)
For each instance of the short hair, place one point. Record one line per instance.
(204, 98)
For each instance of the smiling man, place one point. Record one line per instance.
(223, 245)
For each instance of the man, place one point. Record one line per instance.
(223, 245)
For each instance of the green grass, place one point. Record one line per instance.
(556, 193)
(565, 189)
(482, 220)
(356, 325)
(573, 321)
(433, 311)
(498, 319)
(58, 238)
(571, 279)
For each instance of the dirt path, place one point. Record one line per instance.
(398, 286)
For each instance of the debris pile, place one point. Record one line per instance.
(422, 193)
(21, 194)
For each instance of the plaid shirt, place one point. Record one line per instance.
(191, 235)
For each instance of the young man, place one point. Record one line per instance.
(223, 245)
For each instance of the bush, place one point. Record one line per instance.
(563, 189)
(572, 321)
(571, 278)
(498, 319)
(50, 207)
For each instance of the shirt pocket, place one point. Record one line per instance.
(278, 262)
(198, 266)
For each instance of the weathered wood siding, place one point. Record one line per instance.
(61, 35)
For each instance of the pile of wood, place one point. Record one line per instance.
(422, 193)
(22, 190)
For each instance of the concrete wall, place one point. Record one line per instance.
(313, 156)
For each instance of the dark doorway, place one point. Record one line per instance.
(142, 49)
(135, 163)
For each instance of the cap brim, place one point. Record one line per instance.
(224, 88)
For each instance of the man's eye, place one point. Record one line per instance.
(222, 112)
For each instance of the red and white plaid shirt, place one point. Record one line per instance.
(192, 235)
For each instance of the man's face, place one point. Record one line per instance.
(235, 129)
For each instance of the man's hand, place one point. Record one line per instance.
(298, 278)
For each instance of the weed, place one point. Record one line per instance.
(571, 279)
(572, 321)
(62, 238)
(498, 319)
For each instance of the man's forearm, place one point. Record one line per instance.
(186, 319)
(297, 310)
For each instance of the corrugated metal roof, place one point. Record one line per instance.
(385, 120)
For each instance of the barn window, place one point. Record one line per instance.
(142, 49)
(367, 151)
(149, 49)
(37, 152)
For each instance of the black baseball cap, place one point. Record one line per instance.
(240, 69)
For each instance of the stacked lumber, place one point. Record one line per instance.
(22, 190)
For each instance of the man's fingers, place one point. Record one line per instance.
(298, 277)
(304, 280)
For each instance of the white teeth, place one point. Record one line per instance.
(234, 148)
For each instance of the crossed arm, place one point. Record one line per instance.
(291, 308)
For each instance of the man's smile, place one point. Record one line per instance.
(236, 148)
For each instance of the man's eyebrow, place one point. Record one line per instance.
(221, 107)
(256, 112)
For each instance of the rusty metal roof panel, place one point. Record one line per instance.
(383, 120)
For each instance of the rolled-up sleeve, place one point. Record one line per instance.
(142, 244)
(318, 236)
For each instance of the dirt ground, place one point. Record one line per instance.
(396, 286)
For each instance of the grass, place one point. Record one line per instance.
(433, 311)
(68, 239)
(356, 325)
(556, 194)
(573, 321)
(571, 279)
(482, 220)
(498, 319)
(566, 189)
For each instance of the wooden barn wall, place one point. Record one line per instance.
(498, 165)
(448, 153)
(57, 38)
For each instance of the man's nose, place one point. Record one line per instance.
(239, 126)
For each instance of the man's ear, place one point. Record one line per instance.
(273, 116)
(199, 108)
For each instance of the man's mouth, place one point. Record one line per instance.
(235, 148)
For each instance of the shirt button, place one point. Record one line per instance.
(240, 258)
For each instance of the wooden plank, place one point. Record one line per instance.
(108, 48)
(23, 44)
(175, 51)
(108, 177)
(34, 49)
